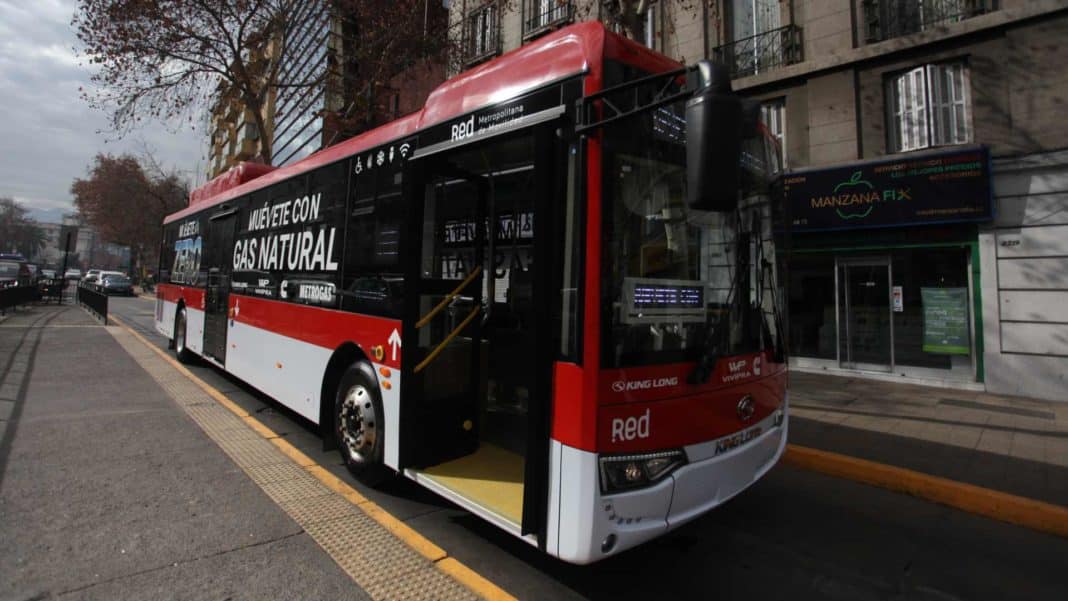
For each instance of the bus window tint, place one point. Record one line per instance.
(372, 275)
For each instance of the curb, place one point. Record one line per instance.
(1001, 506)
(467, 577)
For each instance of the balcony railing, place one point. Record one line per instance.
(542, 16)
(886, 19)
(762, 52)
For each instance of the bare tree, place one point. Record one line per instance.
(125, 199)
(629, 17)
(18, 231)
(165, 58)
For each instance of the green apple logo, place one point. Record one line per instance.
(854, 181)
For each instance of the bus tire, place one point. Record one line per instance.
(358, 424)
(181, 348)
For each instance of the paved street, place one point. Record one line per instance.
(109, 491)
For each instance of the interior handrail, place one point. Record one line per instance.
(441, 346)
(448, 298)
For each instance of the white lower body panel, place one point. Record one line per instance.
(581, 519)
(288, 370)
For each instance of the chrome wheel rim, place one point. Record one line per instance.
(179, 336)
(358, 424)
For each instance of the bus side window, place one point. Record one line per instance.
(372, 279)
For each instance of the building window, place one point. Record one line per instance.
(886, 19)
(543, 15)
(483, 31)
(650, 26)
(773, 115)
(928, 106)
(754, 17)
(759, 42)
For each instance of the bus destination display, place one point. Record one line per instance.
(663, 296)
(650, 300)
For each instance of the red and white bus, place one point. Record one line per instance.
(552, 295)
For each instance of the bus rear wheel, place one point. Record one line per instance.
(358, 424)
(181, 349)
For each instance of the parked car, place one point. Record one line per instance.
(104, 274)
(90, 281)
(72, 274)
(92, 273)
(14, 273)
(112, 283)
(48, 274)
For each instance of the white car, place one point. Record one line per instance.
(72, 274)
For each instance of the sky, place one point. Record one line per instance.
(48, 134)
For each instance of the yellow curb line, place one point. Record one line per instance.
(1022, 511)
(419, 543)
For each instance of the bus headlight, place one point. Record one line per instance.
(627, 472)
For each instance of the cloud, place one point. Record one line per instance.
(50, 134)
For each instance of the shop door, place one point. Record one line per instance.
(865, 331)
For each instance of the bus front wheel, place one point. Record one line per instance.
(358, 421)
(181, 349)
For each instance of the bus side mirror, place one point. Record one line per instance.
(714, 125)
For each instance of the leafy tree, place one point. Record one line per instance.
(19, 232)
(125, 199)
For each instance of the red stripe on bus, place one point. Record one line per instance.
(193, 297)
(685, 420)
(326, 328)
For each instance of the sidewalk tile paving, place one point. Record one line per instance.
(108, 490)
(1011, 444)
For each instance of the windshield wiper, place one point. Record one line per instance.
(710, 354)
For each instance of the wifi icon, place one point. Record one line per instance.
(404, 148)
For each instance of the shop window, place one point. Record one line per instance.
(773, 115)
(928, 106)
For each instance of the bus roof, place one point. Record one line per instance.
(578, 48)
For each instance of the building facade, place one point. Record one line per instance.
(88, 250)
(927, 167)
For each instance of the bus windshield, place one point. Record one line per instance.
(680, 284)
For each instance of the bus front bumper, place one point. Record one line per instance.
(623, 520)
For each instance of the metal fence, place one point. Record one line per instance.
(762, 52)
(93, 301)
(13, 296)
(886, 19)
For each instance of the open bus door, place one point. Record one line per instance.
(475, 402)
(217, 261)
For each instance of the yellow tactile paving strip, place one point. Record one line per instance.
(384, 556)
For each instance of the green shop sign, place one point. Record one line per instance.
(920, 188)
(945, 321)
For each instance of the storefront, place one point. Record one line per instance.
(883, 269)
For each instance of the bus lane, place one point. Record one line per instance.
(795, 534)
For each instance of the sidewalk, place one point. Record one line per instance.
(1014, 445)
(109, 491)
